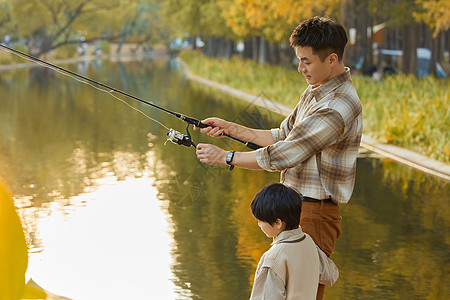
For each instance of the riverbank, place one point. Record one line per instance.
(404, 156)
(127, 53)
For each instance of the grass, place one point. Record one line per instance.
(402, 110)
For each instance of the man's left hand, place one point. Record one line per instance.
(210, 154)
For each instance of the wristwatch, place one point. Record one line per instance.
(229, 158)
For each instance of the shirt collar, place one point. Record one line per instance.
(288, 235)
(322, 90)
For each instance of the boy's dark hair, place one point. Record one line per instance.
(322, 34)
(277, 201)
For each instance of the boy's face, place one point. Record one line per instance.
(271, 230)
(315, 71)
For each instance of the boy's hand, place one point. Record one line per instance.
(210, 154)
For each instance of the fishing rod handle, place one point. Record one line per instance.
(248, 144)
(252, 145)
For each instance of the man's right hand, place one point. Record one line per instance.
(216, 127)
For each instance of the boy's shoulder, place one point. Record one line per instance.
(291, 254)
(290, 247)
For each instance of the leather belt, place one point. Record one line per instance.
(309, 199)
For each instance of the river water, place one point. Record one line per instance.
(112, 211)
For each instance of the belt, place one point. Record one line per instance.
(308, 199)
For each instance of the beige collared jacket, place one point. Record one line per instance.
(289, 269)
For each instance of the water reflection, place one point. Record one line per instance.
(93, 243)
(396, 229)
(98, 188)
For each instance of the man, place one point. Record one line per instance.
(316, 146)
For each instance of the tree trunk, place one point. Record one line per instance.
(211, 46)
(121, 42)
(434, 46)
(228, 48)
(255, 48)
(345, 21)
(265, 53)
(366, 40)
(361, 39)
(248, 48)
(275, 53)
(409, 47)
(220, 47)
(262, 57)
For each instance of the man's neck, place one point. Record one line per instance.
(338, 70)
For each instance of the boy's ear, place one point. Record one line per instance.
(279, 224)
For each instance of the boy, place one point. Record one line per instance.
(290, 268)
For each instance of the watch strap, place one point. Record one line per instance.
(229, 159)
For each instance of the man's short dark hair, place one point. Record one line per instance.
(277, 201)
(322, 34)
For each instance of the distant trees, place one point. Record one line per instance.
(436, 15)
(263, 26)
(141, 24)
(48, 24)
(200, 18)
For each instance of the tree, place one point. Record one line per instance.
(49, 24)
(199, 18)
(269, 23)
(142, 24)
(5, 18)
(436, 15)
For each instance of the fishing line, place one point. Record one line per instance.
(60, 71)
(174, 136)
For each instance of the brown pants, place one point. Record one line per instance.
(322, 221)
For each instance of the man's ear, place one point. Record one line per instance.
(333, 59)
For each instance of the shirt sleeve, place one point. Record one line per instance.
(308, 137)
(268, 286)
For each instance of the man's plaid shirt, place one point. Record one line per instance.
(316, 146)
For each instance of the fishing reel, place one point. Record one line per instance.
(179, 138)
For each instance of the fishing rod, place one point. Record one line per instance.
(173, 135)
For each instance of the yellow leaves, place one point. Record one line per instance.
(436, 14)
(389, 139)
(256, 12)
(14, 254)
(13, 249)
(274, 19)
(33, 291)
(292, 11)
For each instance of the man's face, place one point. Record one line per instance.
(315, 71)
